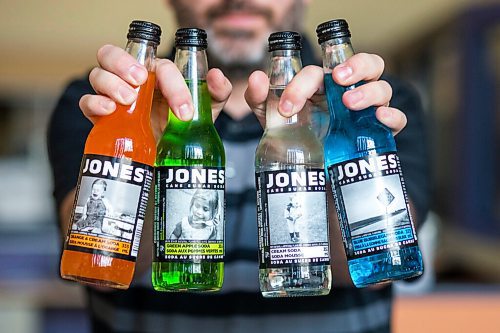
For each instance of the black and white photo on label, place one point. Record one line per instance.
(106, 207)
(195, 214)
(375, 204)
(298, 217)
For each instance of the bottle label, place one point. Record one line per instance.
(292, 217)
(110, 206)
(189, 214)
(372, 205)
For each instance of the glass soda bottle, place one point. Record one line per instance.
(368, 187)
(294, 256)
(116, 175)
(189, 193)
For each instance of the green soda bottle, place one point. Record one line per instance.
(188, 251)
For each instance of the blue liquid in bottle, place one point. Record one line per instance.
(370, 196)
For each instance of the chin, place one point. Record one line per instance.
(237, 47)
(238, 53)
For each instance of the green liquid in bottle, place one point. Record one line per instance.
(189, 154)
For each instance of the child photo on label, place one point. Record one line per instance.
(96, 208)
(104, 208)
(297, 218)
(202, 220)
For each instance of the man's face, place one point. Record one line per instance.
(238, 29)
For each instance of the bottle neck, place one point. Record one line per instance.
(336, 51)
(283, 66)
(143, 51)
(192, 63)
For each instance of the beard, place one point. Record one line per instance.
(238, 52)
(237, 55)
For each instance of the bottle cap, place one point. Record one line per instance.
(191, 37)
(332, 29)
(285, 40)
(144, 30)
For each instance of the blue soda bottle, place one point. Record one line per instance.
(365, 173)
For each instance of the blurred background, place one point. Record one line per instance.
(449, 49)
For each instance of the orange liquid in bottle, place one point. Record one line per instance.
(126, 133)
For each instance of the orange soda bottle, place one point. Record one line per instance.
(116, 175)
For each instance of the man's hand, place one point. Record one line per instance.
(308, 85)
(118, 73)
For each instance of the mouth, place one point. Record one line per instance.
(198, 221)
(241, 15)
(241, 20)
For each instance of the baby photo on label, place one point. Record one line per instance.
(106, 207)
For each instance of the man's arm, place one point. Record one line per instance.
(66, 136)
(65, 210)
(413, 148)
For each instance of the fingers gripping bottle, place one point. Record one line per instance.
(116, 175)
(189, 194)
(368, 187)
(294, 257)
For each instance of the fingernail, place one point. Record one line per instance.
(185, 112)
(343, 72)
(138, 74)
(286, 107)
(354, 96)
(126, 94)
(108, 105)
